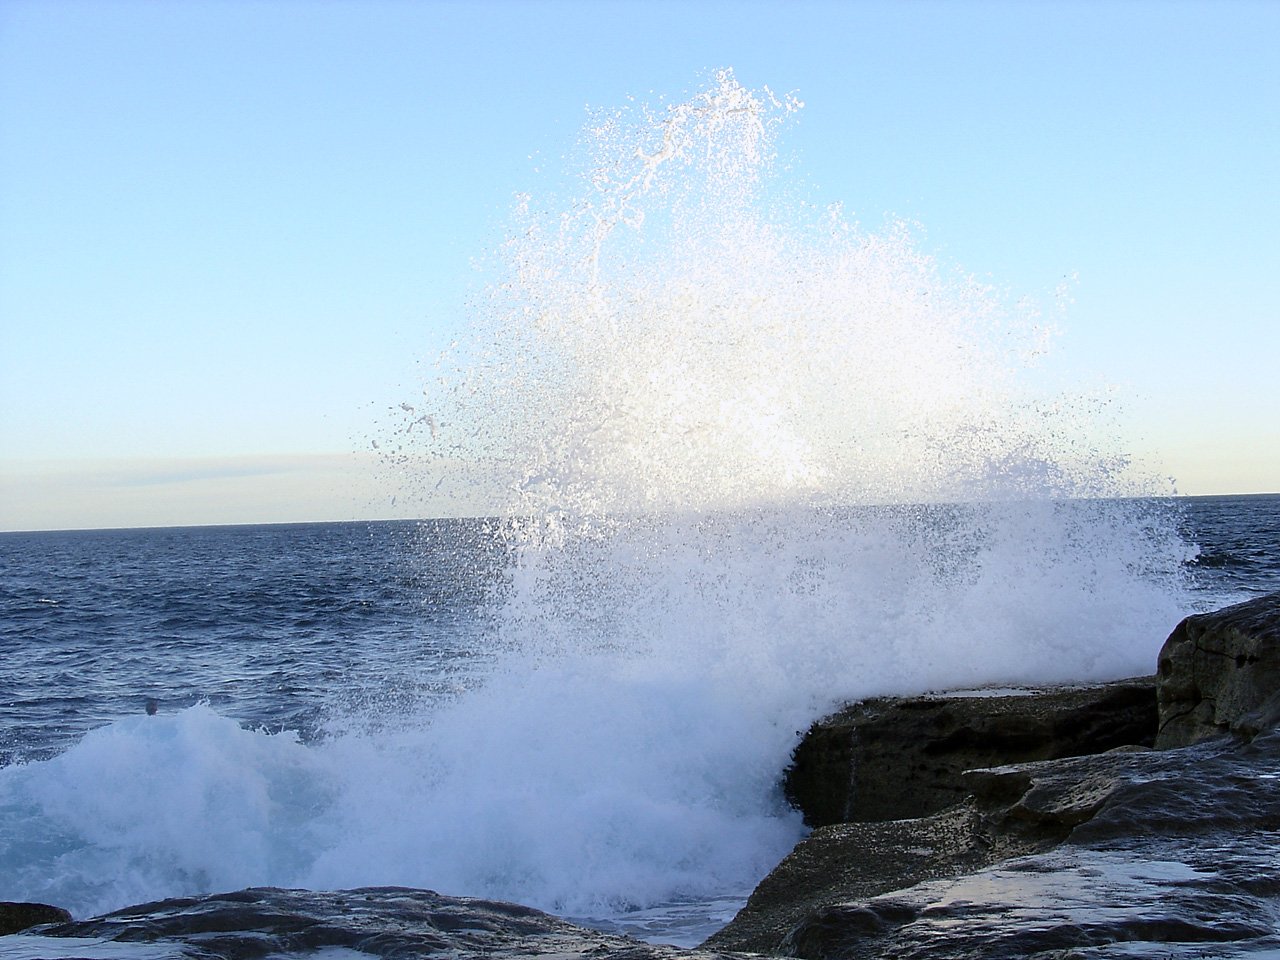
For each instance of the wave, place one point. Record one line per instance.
(757, 461)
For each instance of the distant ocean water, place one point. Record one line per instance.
(320, 685)
(281, 626)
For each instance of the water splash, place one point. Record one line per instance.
(686, 376)
(758, 460)
(753, 460)
(683, 338)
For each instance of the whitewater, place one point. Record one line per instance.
(754, 460)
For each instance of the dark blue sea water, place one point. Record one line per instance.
(278, 625)
(419, 704)
(1237, 541)
(274, 625)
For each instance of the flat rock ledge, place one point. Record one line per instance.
(396, 923)
(1162, 854)
(893, 758)
(908, 790)
(1042, 824)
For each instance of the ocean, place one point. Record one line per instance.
(338, 705)
(754, 461)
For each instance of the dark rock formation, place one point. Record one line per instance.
(1098, 848)
(1164, 852)
(391, 922)
(848, 861)
(1220, 673)
(894, 758)
(886, 781)
(21, 916)
(1168, 854)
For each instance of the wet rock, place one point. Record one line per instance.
(390, 922)
(21, 916)
(1128, 853)
(854, 860)
(896, 758)
(1219, 673)
(1167, 900)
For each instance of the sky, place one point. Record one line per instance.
(232, 232)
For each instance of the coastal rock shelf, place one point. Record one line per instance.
(390, 922)
(893, 758)
(1020, 824)
(1118, 851)
(1174, 848)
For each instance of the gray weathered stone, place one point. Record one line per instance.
(1219, 673)
(855, 860)
(394, 923)
(1160, 853)
(1062, 833)
(892, 758)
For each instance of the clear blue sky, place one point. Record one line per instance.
(228, 230)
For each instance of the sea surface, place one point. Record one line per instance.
(714, 404)
(343, 704)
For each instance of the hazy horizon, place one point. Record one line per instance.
(354, 502)
(234, 237)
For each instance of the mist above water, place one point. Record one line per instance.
(756, 460)
(709, 401)
(687, 335)
(759, 460)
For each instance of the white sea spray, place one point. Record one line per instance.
(756, 460)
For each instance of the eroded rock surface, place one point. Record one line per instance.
(892, 758)
(20, 916)
(855, 860)
(390, 922)
(1166, 854)
(1044, 826)
(1219, 673)
(894, 771)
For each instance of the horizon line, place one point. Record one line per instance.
(17, 531)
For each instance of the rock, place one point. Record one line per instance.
(897, 758)
(390, 922)
(1067, 903)
(21, 916)
(1219, 673)
(1147, 853)
(1044, 826)
(847, 860)
(897, 770)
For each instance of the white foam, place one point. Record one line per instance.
(697, 391)
(697, 396)
(158, 806)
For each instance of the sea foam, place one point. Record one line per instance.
(759, 460)
(756, 460)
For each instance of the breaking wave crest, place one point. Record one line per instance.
(754, 460)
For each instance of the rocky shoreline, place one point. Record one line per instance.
(1138, 818)
(1131, 819)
